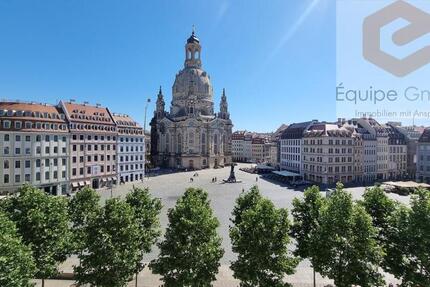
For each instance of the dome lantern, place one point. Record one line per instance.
(192, 51)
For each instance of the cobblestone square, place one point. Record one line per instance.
(169, 187)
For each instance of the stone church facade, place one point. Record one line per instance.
(191, 135)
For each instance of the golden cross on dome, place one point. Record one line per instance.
(194, 29)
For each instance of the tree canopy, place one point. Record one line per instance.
(260, 238)
(345, 245)
(111, 248)
(408, 237)
(16, 263)
(42, 221)
(191, 249)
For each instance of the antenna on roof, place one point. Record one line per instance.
(98, 105)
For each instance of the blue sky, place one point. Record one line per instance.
(276, 59)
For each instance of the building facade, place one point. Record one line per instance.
(34, 143)
(237, 147)
(191, 135)
(328, 154)
(423, 157)
(93, 141)
(291, 142)
(130, 149)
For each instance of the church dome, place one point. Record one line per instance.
(192, 87)
(192, 82)
(193, 39)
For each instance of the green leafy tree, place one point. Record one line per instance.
(191, 250)
(307, 219)
(84, 206)
(408, 254)
(260, 238)
(146, 212)
(42, 221)
(380, 208)
(16, 264)
(345, 245)
(112, 247)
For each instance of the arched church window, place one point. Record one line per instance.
(168, 143)
(203, 143)
(191, 138)
(216, 144)
(179, 143)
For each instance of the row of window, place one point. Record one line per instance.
(37, 163)
(131, 148)
(89, 171)
(95, 158)
(36, 114)
(130, 167)
(131, 158)
(38, 138)
(27, 151)
(18, 125)
(27, 177)
(91, 137)
(95, 127)
(96, 147)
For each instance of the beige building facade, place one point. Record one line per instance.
(93, 142)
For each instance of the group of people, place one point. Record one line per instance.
(194, 175)
(214, 179)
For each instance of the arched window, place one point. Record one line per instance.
(179, 144)
(216, 144)
(191, 139)
(167, 143)
(203, 143)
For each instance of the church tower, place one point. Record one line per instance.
(159, 112)
(223, 107)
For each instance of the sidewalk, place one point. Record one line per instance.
(302, 278)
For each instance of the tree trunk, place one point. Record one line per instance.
(43, 282)
(315, 282)
(136, 278)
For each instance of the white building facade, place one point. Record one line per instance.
(131, 149)
(34, 143)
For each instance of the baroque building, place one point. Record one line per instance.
(191, 135)
(34, 149)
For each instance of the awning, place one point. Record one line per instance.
(81, 183)
(263, 166)
(87, 182)
(286, 173)
(104, 179)
(75, 184)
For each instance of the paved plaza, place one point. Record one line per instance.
(169, 187)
